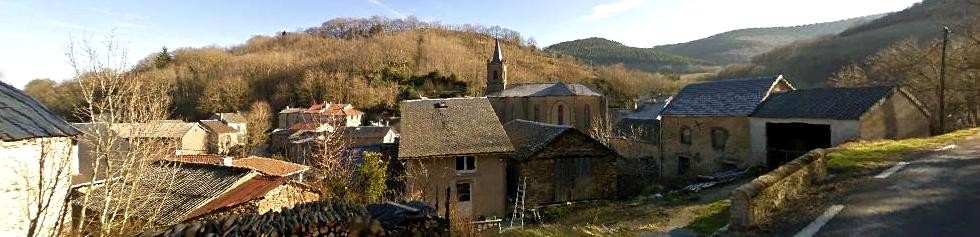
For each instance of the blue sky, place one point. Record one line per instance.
(34, 34)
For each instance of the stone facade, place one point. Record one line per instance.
(585, 113)
(897, 117)
(754, 203)
(715, 143)
(433, 175)
(194, 142)
(543, 177)
(22, 179)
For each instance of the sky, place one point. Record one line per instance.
(34, 35)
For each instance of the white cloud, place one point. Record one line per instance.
(384, 6)
(607, 10)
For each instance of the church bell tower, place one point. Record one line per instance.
(496, 71)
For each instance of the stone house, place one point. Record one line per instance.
(367, 135)
(705, 128)
(559, 164)
(173, 191)
(791, 123)
(559, 103)
(222, 138)
(38, 159)
(456, 148)
(337, 115)
(236, 121)
(187, 138)
(183, 138)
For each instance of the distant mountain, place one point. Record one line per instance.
(811, 63)
(601, 51)
(739, 46)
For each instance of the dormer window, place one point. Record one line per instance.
(465, 164)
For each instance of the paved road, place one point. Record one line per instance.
(936, 194)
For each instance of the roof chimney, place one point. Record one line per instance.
(226, 161)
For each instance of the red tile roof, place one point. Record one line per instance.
(265, 166)
(334, 109)
(270, 166)
(196, 159)
(251, 189)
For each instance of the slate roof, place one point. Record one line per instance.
(546, 89)
(646, 111)
(528, 137)
(823, 103)
(23, 117)
(230, 117)
(216, 126)
(364, 132)
(445, 127)
(168, 193)
(737, 97)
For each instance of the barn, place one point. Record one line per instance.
(558, 163)
(788, 124)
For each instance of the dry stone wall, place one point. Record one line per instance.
(754, 203)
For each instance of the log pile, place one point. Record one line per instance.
(322, 218)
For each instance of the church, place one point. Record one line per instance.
(569, 104)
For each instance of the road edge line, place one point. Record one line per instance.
(815, 226)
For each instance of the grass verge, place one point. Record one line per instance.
(711, 218)
(858, 155)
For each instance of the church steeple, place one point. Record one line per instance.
(498, 56)
(496, 71)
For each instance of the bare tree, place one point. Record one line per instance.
(118, 103)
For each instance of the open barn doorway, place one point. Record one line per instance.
(787, 141)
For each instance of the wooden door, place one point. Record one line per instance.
(573, 179)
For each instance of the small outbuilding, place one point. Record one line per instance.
(791, 123)
(559, 163)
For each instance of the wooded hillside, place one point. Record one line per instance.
(372, 63)
(811, 63)
(601, 51)
(739, 46)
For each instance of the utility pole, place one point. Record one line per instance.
(942, 83)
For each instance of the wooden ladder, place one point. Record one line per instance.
(518, 214)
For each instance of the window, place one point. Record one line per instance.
(463, 192)
(496, 75)
(561, 114)
(685, 135)
(683, 165)
(719, 136)
(588, 116)
(537, 113)
(465, 164)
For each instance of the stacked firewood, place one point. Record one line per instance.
(323, 218)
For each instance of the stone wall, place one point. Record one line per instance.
(703, 157)
(539, 169)
(35, 171)
(897, 117)
(754, 203)
(574, 110)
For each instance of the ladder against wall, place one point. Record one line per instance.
(518, 216)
